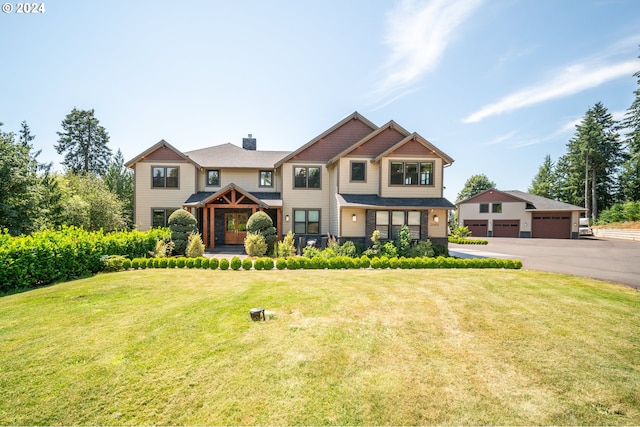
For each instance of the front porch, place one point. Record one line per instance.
(222, 216)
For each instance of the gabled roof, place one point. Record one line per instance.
(354, 116)
(372, 200)
(160, 144)
(416, 137)
(540, 203)
(231, 156)
(263, 199)
(389, 125)
(533, 202)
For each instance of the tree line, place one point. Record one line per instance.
(94, 192)
(600, 169)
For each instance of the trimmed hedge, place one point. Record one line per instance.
(49, 256)
(463, 241)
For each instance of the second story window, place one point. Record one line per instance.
(484, 207)
(213, 177)
(266, 178)
(164, 177)
(496, 207)
(358, 171)
(306, 177)
(411, 173)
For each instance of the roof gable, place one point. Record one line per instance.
(414, 144)
(161, 151)
(375, 142)
(492, 195)
(334, 140)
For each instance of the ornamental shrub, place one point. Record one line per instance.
(365, 261)
(349, 249)
(394, 263)
(236, 263)
(267, 263)
(172, 263)
(197, 262)
(293, 263)
(281, 263)
(261, 223)
(151, 262)
(181, 262)
(113, 263)
(312, 251)
(247, 264)
(255, 244)
(190, 262)
(423, 248)
(205, 263)
(135, 263)
(389, 250)
(403, 242)
(214, 263)
(258, 264)
(286, 248)
(164, 262)
(224, 264)
(126, 264)
(195, 247)
(320, 262)
(182, 224)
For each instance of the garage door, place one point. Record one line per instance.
(551, 225)
(506, 228)
(478, 227)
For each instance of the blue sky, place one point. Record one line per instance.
(496, 84)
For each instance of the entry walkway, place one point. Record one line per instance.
(226, 251)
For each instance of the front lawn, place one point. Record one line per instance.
(358, 347)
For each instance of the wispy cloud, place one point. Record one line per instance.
(502, 138)
(417, 34)
(570, 80)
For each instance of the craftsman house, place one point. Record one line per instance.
(351, 179)
(495, 213)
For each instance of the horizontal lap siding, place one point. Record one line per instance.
(306, 198)
(148, 198)
(248, 179)
(370, 186)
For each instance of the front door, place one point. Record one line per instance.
(235, 228)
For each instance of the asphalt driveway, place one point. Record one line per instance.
(605, 259)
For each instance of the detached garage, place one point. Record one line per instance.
(495, 213)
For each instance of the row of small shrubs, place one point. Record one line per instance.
(52, 256)
(316, 263)
(464, 241)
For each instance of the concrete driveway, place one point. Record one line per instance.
(605, 259)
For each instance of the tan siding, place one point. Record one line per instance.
(148, 198)
(248, 179)
(349, 228)
(306, 198)
(372, 174)
(511, 209)
(415, 190)
(440, 228)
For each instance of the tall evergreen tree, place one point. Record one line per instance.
(84, 143)
(630, 176)
(544, 183)
(119, 179)
(589, 170)
(476, 184)
(25, 134)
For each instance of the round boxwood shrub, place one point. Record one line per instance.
(258, 264)
(197, 262)
(394, 263)
(135, 263)
(151, 262)
(181, 262)
(236, 263)
(164, 262)
(224, 264)
(281, 263)
(293, 263)
(182, 224)
(172, 263)
(247, 264)
(214, 263)
(267, 263)
(205, 263)
(189, 263)
(365, 261)
(126, 264)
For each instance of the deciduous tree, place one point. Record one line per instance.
(476, 184)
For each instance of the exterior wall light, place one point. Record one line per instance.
(436, 219)
(354, 218)
(286, 218)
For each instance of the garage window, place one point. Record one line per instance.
(484, 207)
(496, 207)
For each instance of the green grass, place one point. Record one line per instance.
(340, 348)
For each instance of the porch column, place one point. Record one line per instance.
(205, 226)
(279, 223)
(212, 229)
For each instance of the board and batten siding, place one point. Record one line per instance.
(306, 198)
(148, 198)
(387, 190)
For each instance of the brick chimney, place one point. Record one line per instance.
(249, 143)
